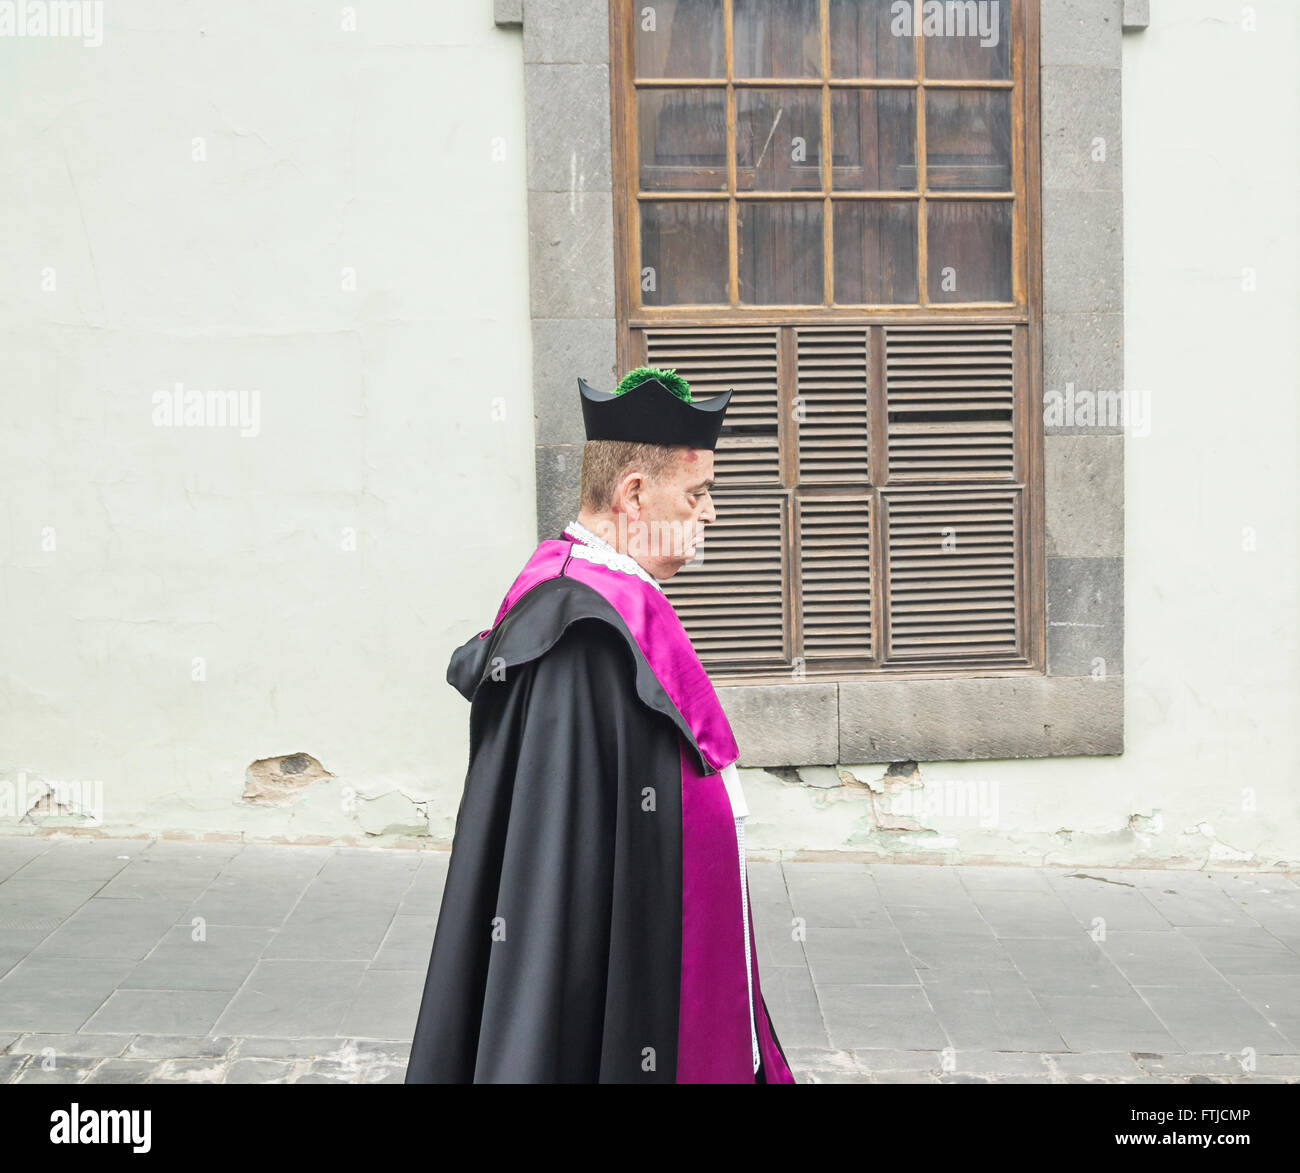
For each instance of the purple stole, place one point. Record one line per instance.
(713, 1042)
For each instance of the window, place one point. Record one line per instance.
(832, 209)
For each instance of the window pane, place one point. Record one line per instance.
(683, 139)
(873, 133)
(679, 38)
(974, 42)
(875, 252)
(778, 140)
(863, 43)
(776, 38)
(968, 250)
(968, 140)
(684, 252)
(780, 259)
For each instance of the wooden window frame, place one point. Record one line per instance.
(1026, 316)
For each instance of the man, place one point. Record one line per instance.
(595, 922)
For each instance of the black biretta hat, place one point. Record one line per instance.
(650, 413)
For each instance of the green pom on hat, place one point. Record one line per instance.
(669, 378)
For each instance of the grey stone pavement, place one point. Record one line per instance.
(305, 964)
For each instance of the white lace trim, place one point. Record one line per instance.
(596, 549)
(739, 809)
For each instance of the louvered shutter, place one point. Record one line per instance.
(951, 557)
(950, 401)
(835, 577)
(713, 360)
(821, 561)
(831, 404)
(732, 598)
(951, 574)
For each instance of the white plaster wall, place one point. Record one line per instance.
(1212, 596)
(375, 150)
(1211, 660)
(396, 150)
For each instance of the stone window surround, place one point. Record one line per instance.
(1077, 707)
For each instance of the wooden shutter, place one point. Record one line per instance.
(951, 573)
(950, 398)
(831, 404)
(746, 360)
(731, 598)
(835, 577)
(788, 574)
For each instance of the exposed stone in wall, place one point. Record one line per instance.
(392, 813)
(51, 802)
(278, 781)
(53, 808)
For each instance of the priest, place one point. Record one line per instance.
(595, 926)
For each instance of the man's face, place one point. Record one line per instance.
(673, 514)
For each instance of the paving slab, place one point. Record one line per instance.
(1066, 965)
(174, 1011)
(1158, 958)
(157, 1047)
(259, 1071)
(879, 1016)
(197, 970)
(1107, 1022)
(990, 1010)
(126, 1071)
(1241, 951)
(37, 1071)
(408, 943)
(81, 1045)
(386, 1005)
(1207, 1018)
(292, 996)
(854, 956)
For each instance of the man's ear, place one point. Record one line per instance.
(630, 489)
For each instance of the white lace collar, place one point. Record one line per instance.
(595, 549)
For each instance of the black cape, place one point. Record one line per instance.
(557, 954)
